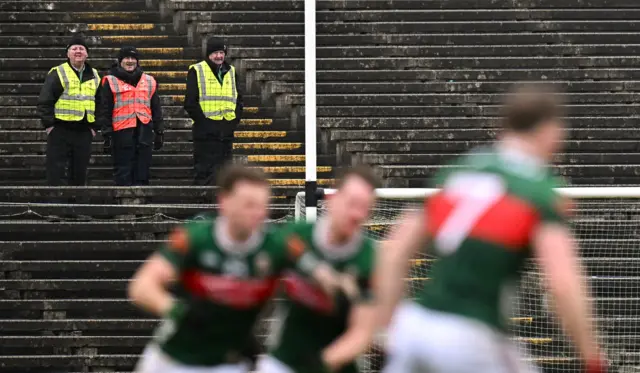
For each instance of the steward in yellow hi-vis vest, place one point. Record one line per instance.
(66, 107)
(214, 104)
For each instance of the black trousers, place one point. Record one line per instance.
(212, 148)
(68, 156)
(132, 151)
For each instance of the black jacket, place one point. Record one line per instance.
(104, 113)
(192, 97)
(51, 92)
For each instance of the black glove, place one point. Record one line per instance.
(158, 141)
(251, 351)
(106, 146)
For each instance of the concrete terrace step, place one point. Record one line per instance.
(476, 110)
(242, 27)
(169, 123)
(100, 52)
(43, 270)
(458, 147)
(183, 195)
(415, 15)
(123, 269)
(114, 288)
(439, 159)
(575, 38)
(476, 14)
(92, 41)
(291, 163)
(158, 172)
(520, 50)
(38, 6)
(110, 212)
(575, 171)
(250, 112)
(408, 63)
(47, 63)
(445, 75)
(85, 17)
(174, 135)
(479, 87)
(402, 123)
(79, 250)
(253, 151)
(39, 76)
(165, 160)
(467, 134)
(363, 5)
(235, 6)
(77, 361)
(105, 180)
(59, 28)
(30, 342)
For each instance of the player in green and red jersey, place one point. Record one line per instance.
(497, 207)
(318, 334)
(225, 270)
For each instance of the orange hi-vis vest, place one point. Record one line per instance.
(131, 103)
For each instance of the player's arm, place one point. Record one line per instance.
(296, 254)
(148, 287)
(355, 340)
(556, 254)
(393, 263)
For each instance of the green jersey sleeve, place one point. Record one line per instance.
(289, 251)
(182, 241)
(176, 247)
(365, 280)
(554, 207)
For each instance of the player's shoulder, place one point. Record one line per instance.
(303, 229)
(194, 232)
(480, 159)
(365, 259)
(288, 234)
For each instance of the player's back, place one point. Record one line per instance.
(480, 225)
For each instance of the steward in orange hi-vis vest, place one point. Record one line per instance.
(130, 118)
(131, 103)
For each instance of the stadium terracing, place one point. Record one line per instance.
(402, 84)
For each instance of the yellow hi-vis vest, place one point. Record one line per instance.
(217, 100)
(78, 98)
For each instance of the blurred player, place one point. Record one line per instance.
(225, 270)
(497, 207)
(315, 333)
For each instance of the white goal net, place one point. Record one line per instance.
(606, 223)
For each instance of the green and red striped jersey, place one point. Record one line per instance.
(480, 226)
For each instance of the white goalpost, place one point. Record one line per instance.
(606, 224)
(310, 126)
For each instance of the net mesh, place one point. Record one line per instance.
(608, 234)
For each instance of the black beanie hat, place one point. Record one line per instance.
(128, 51)
(216, 44)
(77, 39)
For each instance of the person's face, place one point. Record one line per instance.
(77, 54)
(129, 64)
(550, 137)
(350, 206)
(245, 206)
(217, 57)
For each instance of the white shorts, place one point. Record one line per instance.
(423, 340)
(269, 364)
(154, 360)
